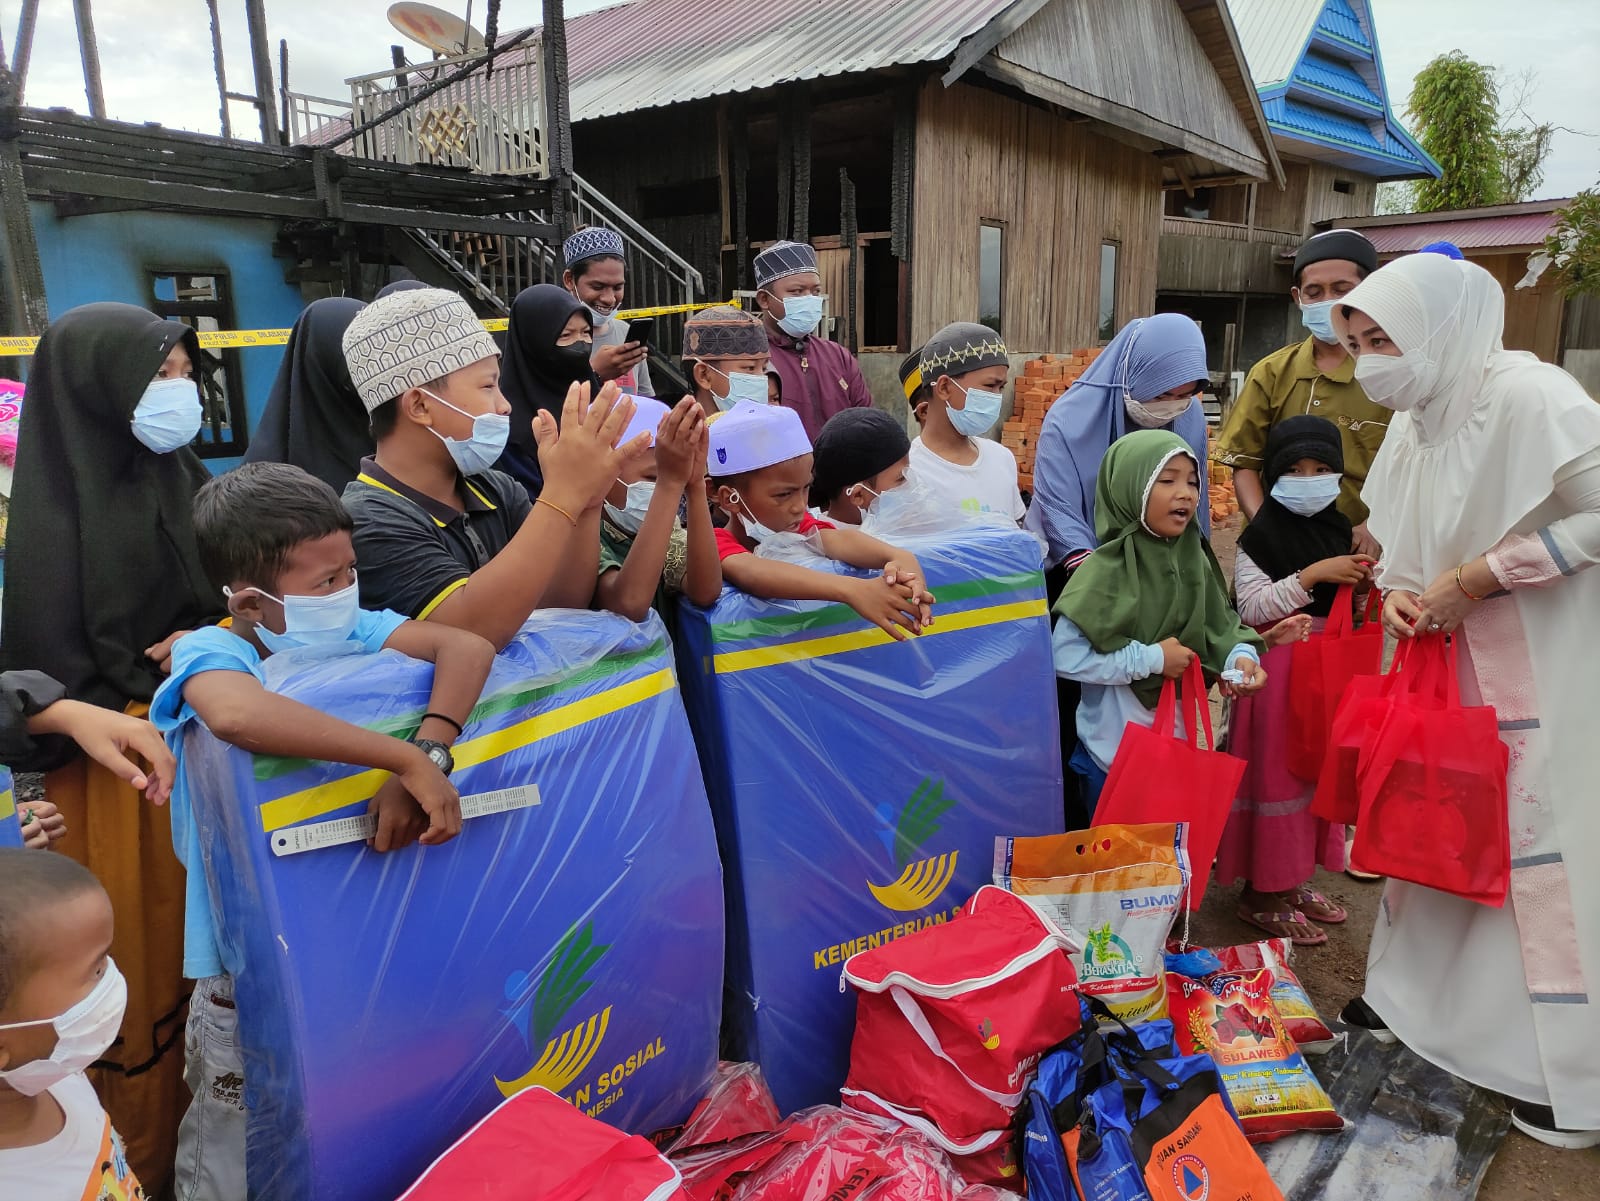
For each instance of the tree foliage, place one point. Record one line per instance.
(1574, 245)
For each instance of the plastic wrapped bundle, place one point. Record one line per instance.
(859, 783)
(574, 944)
(10, 830)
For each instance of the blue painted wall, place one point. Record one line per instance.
(110, 256)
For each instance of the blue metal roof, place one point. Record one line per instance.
(1340, 21)
(1339, 78)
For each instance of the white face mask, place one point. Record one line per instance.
(1306, 495)
(83, 1035)
(757, 531)
(801, 315)
(1153, 414)
(168, 415)
(1398, 382)
(631, 516)
(482, 449)
(311, 620)
(741, 386)
(601, 320)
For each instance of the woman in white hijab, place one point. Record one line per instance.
(1486, 499)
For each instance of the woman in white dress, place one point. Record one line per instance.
(1486, 499)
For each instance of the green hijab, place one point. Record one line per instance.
(1137, 587)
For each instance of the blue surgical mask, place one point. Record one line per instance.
(1306, 495)
(1318, 318)
(757, 531)
(801, 314)
(978, 417)
(631, 516)
(311, 620)
(168, 415)
(475, 455)
(741, 386)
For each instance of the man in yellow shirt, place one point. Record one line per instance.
(1316, 376)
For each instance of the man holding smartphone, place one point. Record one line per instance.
(596, 274)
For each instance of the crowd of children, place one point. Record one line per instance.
(477, 487)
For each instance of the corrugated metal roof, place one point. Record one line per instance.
(1273, 33)
(1480, 233)
(1338, 78)
(652, 53)
(1339, 20)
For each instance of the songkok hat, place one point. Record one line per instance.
(1302, 437)
(855, 445)
(648, 415)
(411, 338)
(1344, 244)
(751, 436)
(724, 332)
(591, 243)
(962, 347)
(783, 259)
(911, 373)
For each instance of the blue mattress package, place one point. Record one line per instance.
(388, 1002)
(858, 783)
(10, 830)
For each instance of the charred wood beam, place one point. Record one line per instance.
(24, 49)
(89, 51)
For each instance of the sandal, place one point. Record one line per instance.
(1291, 924)
(1316, 906)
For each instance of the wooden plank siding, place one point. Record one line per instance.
(1057, 189)
(1533, 315)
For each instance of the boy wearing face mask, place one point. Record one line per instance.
(860, 454)
(761, 466)
(964, 368)
(597, 275)
(820, 378)
(276, 543)
(61, 1005)
(646, 554)
(725, 358)
(1316, 378)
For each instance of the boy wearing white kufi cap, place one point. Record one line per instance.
(761, 466)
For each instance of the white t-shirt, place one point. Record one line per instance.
(987, 486)
(85, 1161)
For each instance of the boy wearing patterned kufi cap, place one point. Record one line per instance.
(596, 273)
(725, 357)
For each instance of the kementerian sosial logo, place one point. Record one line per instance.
(565, 1051)
(922, 878)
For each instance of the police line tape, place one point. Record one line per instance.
(237, 339)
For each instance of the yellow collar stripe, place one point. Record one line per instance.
(367, 479)
(837, 644)
(337, 794)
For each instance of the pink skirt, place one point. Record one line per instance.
(1272, 840)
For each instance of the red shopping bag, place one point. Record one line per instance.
(534, 1144)
(1158, 778)
(1322, 667)
(1433, 798)
(1417, 672)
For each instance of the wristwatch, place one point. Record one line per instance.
(438, 753)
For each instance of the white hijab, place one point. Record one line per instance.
(1479, 456)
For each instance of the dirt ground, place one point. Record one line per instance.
(1523, 1170)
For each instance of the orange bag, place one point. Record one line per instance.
(1322, 667)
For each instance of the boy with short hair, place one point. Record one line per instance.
(277, 543)
(61, 1005)
(859, 455)
(964, 367)
(646, 554)
(761, 464)
(443, 537)
(725, 358)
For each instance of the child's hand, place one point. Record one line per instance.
(1341, 569)
(678, 445)
(885, 605)
(1400, 614)
(161, 652)
(907, 572)
(1175, 658)
(429, 789)
(401, 820)
(1290, 629)
(112, 740)
(42, 824)
(1254, 678)
(696, 486)
(581, 460)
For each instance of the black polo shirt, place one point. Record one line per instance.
(412, 551)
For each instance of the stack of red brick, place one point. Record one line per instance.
(1224, 504)
(1042, 381)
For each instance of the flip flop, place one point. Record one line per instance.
(1283, 925)
(1317, 907)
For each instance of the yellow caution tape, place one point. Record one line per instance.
(237, 339)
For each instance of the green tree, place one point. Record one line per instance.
(1574, 246)
(1454, 109)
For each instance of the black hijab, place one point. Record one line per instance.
(101, 559)
(1281, 542)
(535, 374)
(314, 417)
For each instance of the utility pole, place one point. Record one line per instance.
(89, 51)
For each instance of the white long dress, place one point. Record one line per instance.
(1503, 457)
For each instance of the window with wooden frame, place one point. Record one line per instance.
(991, 274)
(201, 300)
(1107, 327)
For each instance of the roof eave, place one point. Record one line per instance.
(1246, 98)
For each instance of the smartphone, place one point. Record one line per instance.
(640, 329)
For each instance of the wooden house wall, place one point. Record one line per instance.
(1286, 209)
(1325, 204)
(1533, 315)
(1057, 189)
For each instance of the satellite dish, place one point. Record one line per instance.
(441, 32)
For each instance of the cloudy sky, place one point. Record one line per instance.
(156, 56)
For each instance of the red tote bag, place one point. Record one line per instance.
(1157, 777)
(1433, 798)
(1323, 666)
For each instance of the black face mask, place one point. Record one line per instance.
(574, 359)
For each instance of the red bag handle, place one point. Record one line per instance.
(1341, 618)
(1196, 709)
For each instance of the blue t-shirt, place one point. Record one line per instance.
(217, 649)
